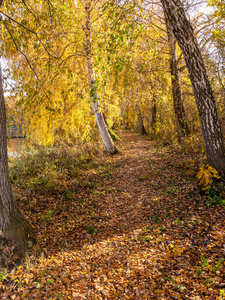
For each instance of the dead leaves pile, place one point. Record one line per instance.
(132, 226)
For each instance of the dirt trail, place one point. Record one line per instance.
(136, 229)
(145, 176)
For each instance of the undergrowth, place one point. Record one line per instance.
(45, 166)
(211, 184)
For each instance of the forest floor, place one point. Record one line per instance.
(129, 226)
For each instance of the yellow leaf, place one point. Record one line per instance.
(177, 251)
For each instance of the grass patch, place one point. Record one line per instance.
(46, 166)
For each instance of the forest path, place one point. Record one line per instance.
(132, 226)
(143, 176)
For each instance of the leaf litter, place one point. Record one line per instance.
(130, 226)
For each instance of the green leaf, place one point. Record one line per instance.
(43, 272)
(50, 281)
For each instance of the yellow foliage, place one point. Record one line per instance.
(177, 251)
(130, 65)
(205, 175)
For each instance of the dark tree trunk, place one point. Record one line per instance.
(182, 125)
(141, 127)
(13, 226)
(205, 100)
(153, 115)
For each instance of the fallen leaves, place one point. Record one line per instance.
(110, 235)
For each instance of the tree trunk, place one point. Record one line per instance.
(205, 100)
(121, 114)
(153, 115)
(13, 226)
(141, 127)
(106, 138)
(182, 125)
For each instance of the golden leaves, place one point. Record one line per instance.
(205, 175)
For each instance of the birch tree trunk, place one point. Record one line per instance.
(204, 97)
(182, 125)
(13, 226)
(106, 138)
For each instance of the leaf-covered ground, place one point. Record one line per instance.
(129, 226)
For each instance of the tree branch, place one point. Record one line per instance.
(30, 30)
(14, 42)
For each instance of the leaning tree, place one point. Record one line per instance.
(204, 97)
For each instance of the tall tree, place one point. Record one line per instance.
(106, 138)
(13, 225)
(175, 81)
(204, 97)
(61, 62)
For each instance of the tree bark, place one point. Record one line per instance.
(106, 138)
(204, 97)
(121, 114)
(182, 125)
(13, 225)
(141, 127)
(153, 114)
